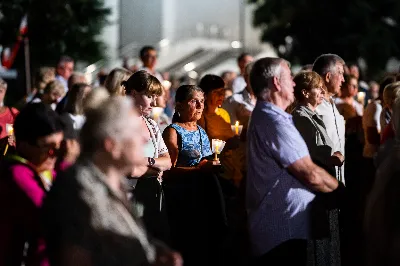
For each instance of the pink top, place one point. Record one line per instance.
(7, 118)
(21, 196)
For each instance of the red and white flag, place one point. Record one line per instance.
(23, 27)
(9, 56)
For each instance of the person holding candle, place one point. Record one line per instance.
(216, 122)
(7, 116)
(26, 177)
(144, 89)
(194, 199)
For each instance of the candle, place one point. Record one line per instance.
(166, 84)
(217, 147)
(10, 129)
(237, 128)
(361, 97)
(157, 111)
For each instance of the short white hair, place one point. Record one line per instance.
(108, 120)
(95, 98)
(263, 71)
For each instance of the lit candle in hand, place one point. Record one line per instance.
(216, 152)
(237, 128)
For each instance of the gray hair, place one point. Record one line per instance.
(263, 71)
(326, 63)
(109, 120)
(95, 98)
(76, 77)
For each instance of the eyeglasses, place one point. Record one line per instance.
(49, 149)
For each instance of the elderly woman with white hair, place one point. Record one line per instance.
(89, 219)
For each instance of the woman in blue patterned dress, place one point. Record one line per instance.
(188, 143)
(194, 199)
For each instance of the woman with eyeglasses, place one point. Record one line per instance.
(25, 179)
(194, 199)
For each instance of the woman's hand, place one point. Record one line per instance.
(11, 140)
(209, 166)
(232, 143)
(337, 159)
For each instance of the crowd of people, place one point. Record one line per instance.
(260, 168)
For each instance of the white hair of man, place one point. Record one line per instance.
(95, 98)
(326, 63)
(108, 120)
(262, 73)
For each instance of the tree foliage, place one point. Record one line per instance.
(56, 27)
(367, 29)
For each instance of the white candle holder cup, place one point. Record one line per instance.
(217, 147)
(237, 129)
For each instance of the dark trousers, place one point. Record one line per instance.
(291, 252)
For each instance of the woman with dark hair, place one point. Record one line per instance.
(217, 124)
(194, 142)
(25, 179)
(74, 105)
(144, 89)
(195, 204)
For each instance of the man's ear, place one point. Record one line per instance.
(277, 83)
(110, 147)
(328, 77)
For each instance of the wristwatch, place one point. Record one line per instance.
(150, 161)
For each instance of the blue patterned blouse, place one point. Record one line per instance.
(194, 146)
